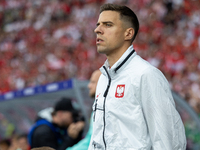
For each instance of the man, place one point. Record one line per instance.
(56, 127)
(84, 143)
(134, 108)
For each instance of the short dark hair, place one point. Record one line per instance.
(125, 13)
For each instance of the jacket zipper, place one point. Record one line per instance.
(95, 108)
(105, 95)
(107, 89)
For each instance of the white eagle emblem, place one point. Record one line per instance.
(120, 91)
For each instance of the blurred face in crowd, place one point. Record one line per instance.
(23, 143)
(110, 33)
(93, 82)
(64, 118)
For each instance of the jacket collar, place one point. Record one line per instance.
(120, 64)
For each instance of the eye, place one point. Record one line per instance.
(108, 25)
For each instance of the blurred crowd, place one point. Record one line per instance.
(44, 41)
(16, 142)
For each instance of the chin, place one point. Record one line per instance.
(100, 50)
(92, 95)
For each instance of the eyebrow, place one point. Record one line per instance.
(104, 22)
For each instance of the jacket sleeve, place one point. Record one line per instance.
(164, 124)
(44, 136)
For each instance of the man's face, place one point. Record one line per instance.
(110, 33)
(66, 118)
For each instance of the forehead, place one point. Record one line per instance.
(66, 112)
(108, 15)
(93, 78)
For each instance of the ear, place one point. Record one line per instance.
(129, 33)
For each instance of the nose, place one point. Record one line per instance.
(89, 85)
(98, 30)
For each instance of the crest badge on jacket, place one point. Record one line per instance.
(120, 91)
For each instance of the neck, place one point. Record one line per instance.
(114, 57)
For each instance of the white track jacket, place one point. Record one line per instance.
(134, 108)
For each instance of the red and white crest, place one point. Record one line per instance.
(120, 91)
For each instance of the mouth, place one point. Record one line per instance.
(99, 40)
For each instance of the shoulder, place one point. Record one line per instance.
(141, 70)
(138, 67)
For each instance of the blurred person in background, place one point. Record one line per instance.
(19, 142)
(93, 83)
(22, 142)
(84, 143)
(57, 128)
(13, 142)
(134, 107)
(4, 144)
